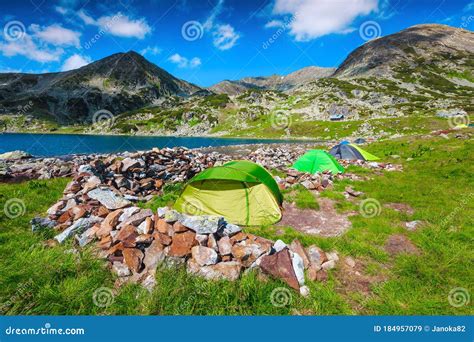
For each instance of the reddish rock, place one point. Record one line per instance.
(298, 248)
(162, 226)
(226, 258)
(105, 242)
(116, 248)
(153, 255)
(158, 183)
(204, 255)
(163, 238)
(65, 217)
(144, 239)
(225, 247)
(182, 244)
(133, 258)
(179, 228)
(322, 275)
(127, 233)
(109, 223)
(102, 211)
(279, 265)
(241, 252)
(313, 272)
(211, 242)
(238, 237)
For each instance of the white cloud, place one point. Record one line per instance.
(209, 23)
(469, 7)
(316, 18)
(87, 19)
(274, 23)
(151, 50)
(56, 35)
(27, 47)
(118, 24)
(75, 62)
(225, 37)
(61, 10)
(183, 62)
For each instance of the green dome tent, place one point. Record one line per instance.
(242, 192)
(317, 161)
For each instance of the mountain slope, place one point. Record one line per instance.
(274, 82)
(120, 82)
(432, 44)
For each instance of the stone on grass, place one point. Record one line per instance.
(332, 256)
(298, 267)
(328, 265)
(304, 291)
(297, 247)
(39, 223)
(279, 265)
(204, 255)
(154, 255)
(229, 270)
(108, 198)
(120, 269)
(412, 225)
(133, 258)
(316, 255)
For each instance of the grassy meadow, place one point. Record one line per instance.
(436, 182)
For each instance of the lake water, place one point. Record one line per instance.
(64, 144)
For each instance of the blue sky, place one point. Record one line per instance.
(207, 41)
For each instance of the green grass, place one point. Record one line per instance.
(436, 183)
(302, 197)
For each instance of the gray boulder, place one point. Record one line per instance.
(108, 198)
(77, 227)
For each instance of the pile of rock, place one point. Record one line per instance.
(372, 165)
(128, 170)
(137, 241)
(317, 182)
(15, 170)
(277, 157)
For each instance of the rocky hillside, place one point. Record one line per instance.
(120, 82)
(274, 82)
(435, 45)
